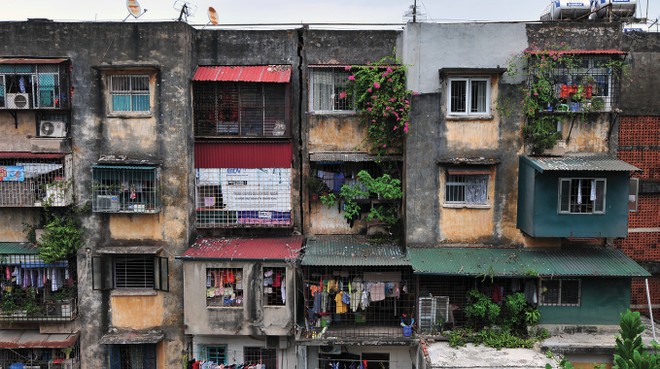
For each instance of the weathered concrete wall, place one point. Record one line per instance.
(163, 136)
(338, 132)
(428, 48)
(640, 88)
(251, 319)
(286, 358)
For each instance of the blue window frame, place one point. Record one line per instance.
(130, 93)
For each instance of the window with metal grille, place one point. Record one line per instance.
(224, 287)
(125, 189)
(216, 354)
(243, 197)
(240, 109)
(329, 90)
(34, 86)
(560, 292)
(129, 93)
(141, 356)
(36, 180)
(139, 271)
(582, 195)
(274, 286)
(260, 355)
(468, 96)
(466, 187)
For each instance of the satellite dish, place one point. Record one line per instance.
(134, 9)
(185, 9)
(213, 16)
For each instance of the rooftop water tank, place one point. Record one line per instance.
(618, 8)
(566, 9)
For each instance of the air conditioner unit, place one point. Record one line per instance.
(432, 312)
(330, 350)
(18, 101)
(52, 128)
(108, 203)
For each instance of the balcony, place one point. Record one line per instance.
(39, 310)
(35, 180)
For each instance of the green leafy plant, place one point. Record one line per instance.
(481, 311)
(384, 187)
(383, 101)
(329, 199)
(316, 185)
(62, 238)
(629, 351)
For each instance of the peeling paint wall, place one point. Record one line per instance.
(336, 133)
(137, 311)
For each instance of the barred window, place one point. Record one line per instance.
(469, 96)
(139, 271)
(34, 86)
(260, 355)
(274, 286)
(125, 189)
(129, 93)
(560, 292)
(216, 354)
(466, 187)
(142, 356)
(582, 195)
(224, 287)
(329, 90)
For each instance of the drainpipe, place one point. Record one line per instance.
(648, 299)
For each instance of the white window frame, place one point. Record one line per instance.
(468, 96)
(455, 183)
(633, 195)
(130, 93)
(314, 75)
(559, 301)
(586, 194)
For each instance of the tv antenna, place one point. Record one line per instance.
(213, 16)
(185, 10)
(134, 9)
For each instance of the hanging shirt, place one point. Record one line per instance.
(377, 291)
(341, 307)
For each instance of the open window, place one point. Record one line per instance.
(224, 287)
(582, 195)
(130, 271)
(125, 189)
(31, 179)
(328, 90)
(34, 83)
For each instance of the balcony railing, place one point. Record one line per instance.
(51, 310)
(34, 180)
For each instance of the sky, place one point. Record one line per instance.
(232, 12)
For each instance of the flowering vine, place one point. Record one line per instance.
(381, 97)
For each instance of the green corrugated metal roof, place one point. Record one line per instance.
(348, 250)
(577, 261)
(128, 167)
(17, 248)
(580, 163)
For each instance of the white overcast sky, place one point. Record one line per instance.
(288, 11)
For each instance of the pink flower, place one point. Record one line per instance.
(348, 67)
(405, 128)
(376, 85)
(384, 146)
(368, 109)
(395, 128)
(342, 95)
(384, 74)
(351, 78)
(369, 90)
(389, 80)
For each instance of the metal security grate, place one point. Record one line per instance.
(125, 189)
(224, 287)
(260, 355)
(134, 271)
(240, 109)
(42, 358)
(28, 182)
(34, 86)
(129, 93)
(330, 91)
(274, 286)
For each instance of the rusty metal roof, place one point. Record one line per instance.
(580, 163)
(27, 338)
(516, 262)
(259, 73)
(350, 250)
(132, 337)
(274, 248)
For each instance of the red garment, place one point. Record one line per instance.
(196, 364)
(278, 279)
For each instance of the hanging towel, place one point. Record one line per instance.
(377, 291)
(592, 195)
(579, 194)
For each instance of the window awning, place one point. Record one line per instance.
(18, 248)
(132, 338)
(273, 249)
(340, 157)
(258, 73)
(243, 155)
(349, 250)
(135, 250)
(32, 60)
(577, 52)
(579, 163)
(517, 262)
(26, 338)
(28, 155)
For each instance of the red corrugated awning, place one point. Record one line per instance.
(243, 155)
(28, 155)
(24, 338)
(276, 248)
(32, 60)
(259, 73)
(578, 52)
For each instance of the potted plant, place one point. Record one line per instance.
(316, 187)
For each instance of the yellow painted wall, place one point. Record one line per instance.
(586, 133)
(136, 226)
(336, 133)
(137, 312)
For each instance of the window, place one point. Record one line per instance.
(132, 356)
(129, 93)
(466, 187)
(216, 354)
(560, 292)
(35, 180)
(274, 286)
(138, 271)
(633, 195)
(224, 287)
(260, 355)
(582, 195)
(125, 189)
(469, 96)
(329, 90)
(35, 86)
(240, 109)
